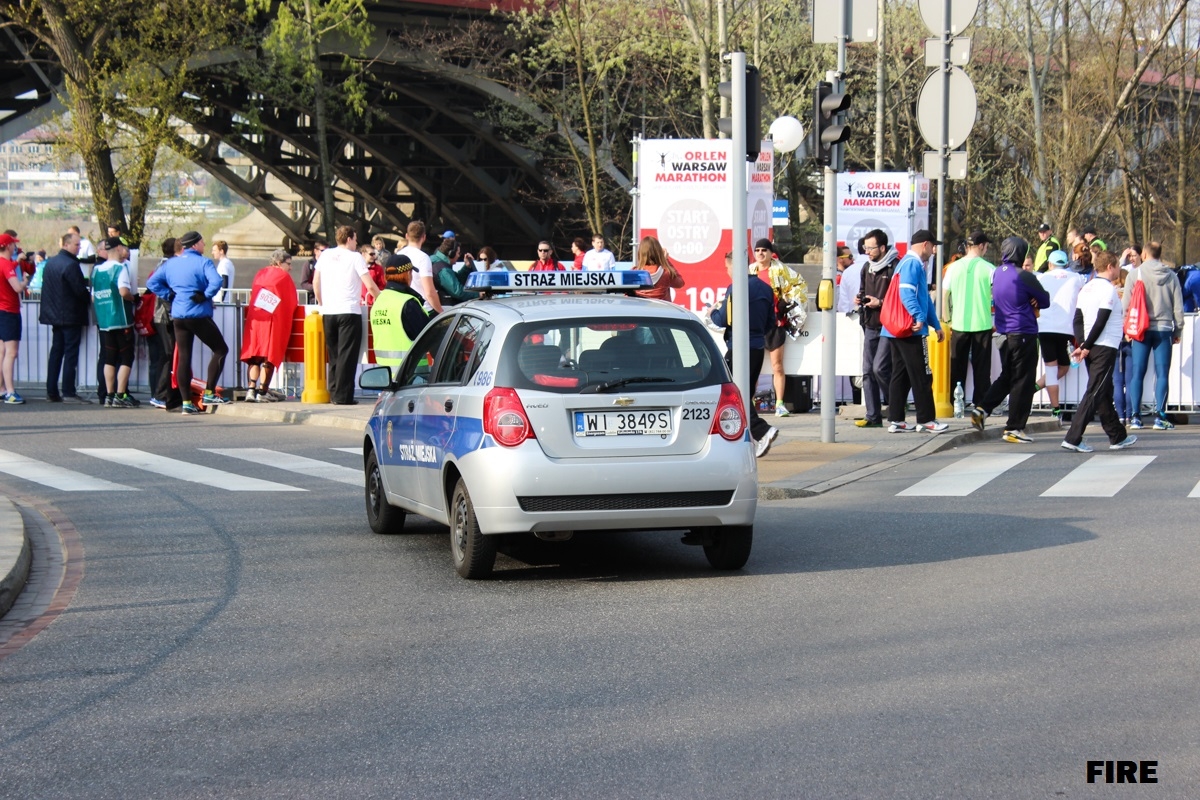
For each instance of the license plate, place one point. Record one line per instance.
(646, 422)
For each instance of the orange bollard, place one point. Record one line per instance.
(316, 390)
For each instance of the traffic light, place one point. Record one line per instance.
(828, 130)
(753, 112)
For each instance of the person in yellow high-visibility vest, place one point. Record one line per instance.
(398, 315)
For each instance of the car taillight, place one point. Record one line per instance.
(504, 417)
(730, 420)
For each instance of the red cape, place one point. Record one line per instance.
(267, 331)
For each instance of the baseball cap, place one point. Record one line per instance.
(190, 239)
(977, 237)
(1058, 258)
(1043, 228)
(398, 264)
(922, 236)
(448, 235)
(6, 240)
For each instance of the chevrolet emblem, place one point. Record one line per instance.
(624, 401)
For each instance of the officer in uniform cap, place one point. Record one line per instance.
(398, 315)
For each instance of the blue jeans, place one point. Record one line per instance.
(1158, 343)
(1120, 381)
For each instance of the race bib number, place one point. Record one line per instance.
(266, 300)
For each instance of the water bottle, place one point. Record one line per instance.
(959, 401)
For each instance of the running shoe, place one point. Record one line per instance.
(1084, 447)
(781, 411)
(901, 427)
(764, 444)
(932, 427)
(187, 409)
(134, 402)
(120, 401)
(211, 399)
(868, 423)
(978, 418)
(1161, 424)
(14, 399)
(109, 402)
(1017, 437)
(156, 403)
(266, 397)
(251, 396)
(1128, 441)
(276, 396)
(1135, 424)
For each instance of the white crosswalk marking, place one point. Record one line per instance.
(1195, 492)
(1099, 476)
(356, 450)
(305, 466)
(193, 473)
(55, 477)
(966, 475)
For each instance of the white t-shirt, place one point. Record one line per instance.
(594, 260)
(1099, 293)
(1063, 287)
(225, 269)
(341, 273)
(422, 265)
(848, 288)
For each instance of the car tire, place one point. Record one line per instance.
(381, 516)
(728, 547)
(474, 554)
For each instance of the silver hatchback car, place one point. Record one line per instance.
(557, 411)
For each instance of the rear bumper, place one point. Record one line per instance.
(611, 493)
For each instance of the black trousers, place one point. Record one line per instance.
(64, 359)
(1098, 398)
(975, 346)
(910, 372)
(758, 425)
(1017, 380)
(343, 338)
(204, 329)
(160, 381)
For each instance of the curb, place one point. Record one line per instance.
(289, 417)
(15, 555)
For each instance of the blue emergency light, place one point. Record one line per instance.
(559, 281)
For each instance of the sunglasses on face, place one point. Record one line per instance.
(542, 250)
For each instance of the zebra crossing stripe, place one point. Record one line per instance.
(55, 477)
(1195, 492)
(299, 464)
(965, 476)
(355, 450)
(184, 471)
(1099, 476)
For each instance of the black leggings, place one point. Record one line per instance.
(204, 329)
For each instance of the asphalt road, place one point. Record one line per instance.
(265, 643)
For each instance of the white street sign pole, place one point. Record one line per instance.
(737, 178)
(947, 40)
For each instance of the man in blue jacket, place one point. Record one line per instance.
(1017, 295)
(760, 301)
(190, 281)
(65, 302)
(910, 354)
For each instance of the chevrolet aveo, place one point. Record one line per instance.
(559, 408)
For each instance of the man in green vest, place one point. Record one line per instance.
(398, 315)
(967, 296)
(112, 299)
(1048, 245)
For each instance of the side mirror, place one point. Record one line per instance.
(377, 379)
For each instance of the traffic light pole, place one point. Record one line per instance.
(737, 177)
(829, 270)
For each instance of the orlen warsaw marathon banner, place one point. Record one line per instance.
(685, 199)
(896, 203)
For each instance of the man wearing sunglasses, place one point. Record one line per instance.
(545, 259)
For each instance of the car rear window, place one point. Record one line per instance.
(625, 354)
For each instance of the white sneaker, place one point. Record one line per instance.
(900, 427)
(764, 444)
(1082, 447)
(932, 427)
(1128, 441)
(781, 411)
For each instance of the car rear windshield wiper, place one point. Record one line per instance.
(596, 388)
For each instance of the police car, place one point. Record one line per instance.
(549, 406)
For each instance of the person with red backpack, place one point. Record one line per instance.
(1164, 314)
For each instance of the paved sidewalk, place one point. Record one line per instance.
(798, 465)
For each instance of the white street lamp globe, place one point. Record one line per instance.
(787, 133)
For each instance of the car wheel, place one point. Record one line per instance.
(474, 553)
(728, 547)
(382, 517)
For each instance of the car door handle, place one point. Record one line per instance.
(411, 406)
(449, 406)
